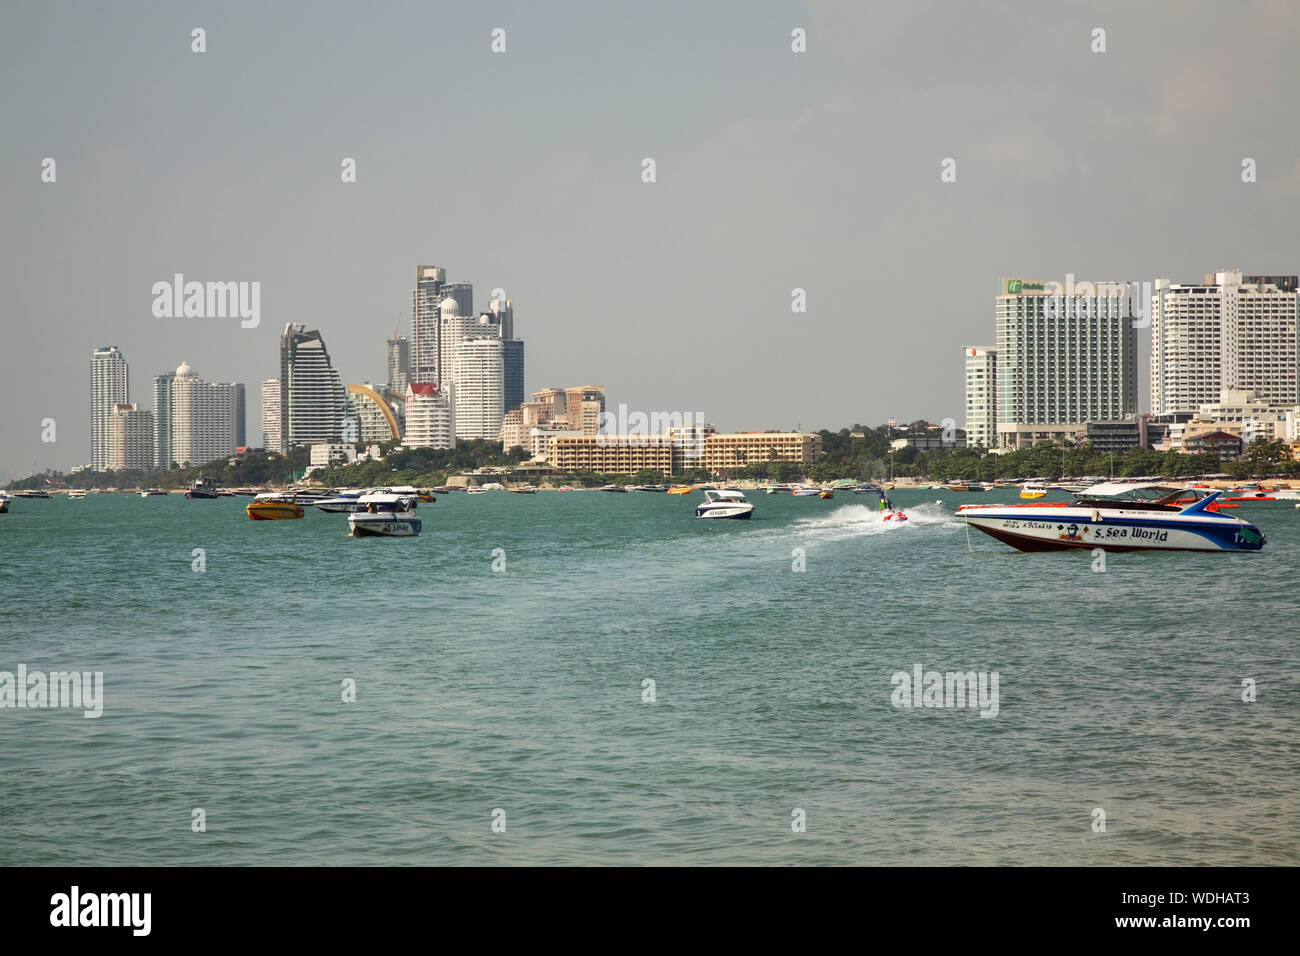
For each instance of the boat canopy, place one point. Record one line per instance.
(725, 495)
(1130, 489)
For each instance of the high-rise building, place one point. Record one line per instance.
(453, 328)
(462, 292)
(399, 363)
(424, 323)
(312, 399)
(202, 418)
(430, 416)
(1062, 360)
(130, 438)
(271, 414)
(239, 413)
(162, 420)
(1231, 332)
(512, 359)
(108, 387)
(477, 385)
(981, 396)
(584, 406)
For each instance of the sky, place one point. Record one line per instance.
(523, 170)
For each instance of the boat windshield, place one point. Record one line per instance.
(1164, 495)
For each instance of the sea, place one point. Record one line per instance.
(590, 678)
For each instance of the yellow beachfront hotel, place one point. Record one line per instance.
(680, 450)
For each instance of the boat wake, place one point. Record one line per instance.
(849, 521)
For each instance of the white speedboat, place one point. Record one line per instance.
(4, 502)
(345, 501)
(724, 504)
(385, 515)
(1119, 516)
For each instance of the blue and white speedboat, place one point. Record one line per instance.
(1119, 516)
(385, 515)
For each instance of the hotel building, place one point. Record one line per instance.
(1231, 332)
(1063, 360)
(108, 388)
(682, 449)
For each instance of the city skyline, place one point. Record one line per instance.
(617, 277)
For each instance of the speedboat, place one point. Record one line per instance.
(683, 490)
(273, 506)
(32, 493)
(523, 490)
(619, 488)
(895, 517)
(1033, 491)
(865, 489)
(343, 501)
(385, 515)
(1119, 516)
(4, 502)
(803, 491)
(827, 494)
(475, 491)
(202, 487)
(724, 504)
(76, 494)
(654, 488)
(153, 493)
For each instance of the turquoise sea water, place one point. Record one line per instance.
(521, 690)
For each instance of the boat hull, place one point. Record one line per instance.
(275, 511)
(368, 525)
(1057, 529)
(732, 512)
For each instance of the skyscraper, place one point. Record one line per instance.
(462, 292)
(424, 323)
(162, 420)
(239, 413)
(202, 418)
(271, 414)
(503, 311)
(399, 363)
(477, 387)
(1231, 332)
(108, 387)
(1062, 360)
(312, 400)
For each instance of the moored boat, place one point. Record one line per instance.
(274, 506)
(386, 515)
(153, 493)
(202, 487)
(1119, 516)
(684, 490)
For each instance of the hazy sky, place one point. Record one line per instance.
(522, 170)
